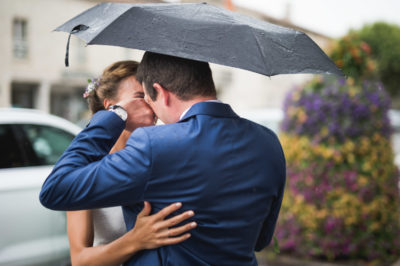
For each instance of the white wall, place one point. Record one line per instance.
(45, 62)
(249, 90)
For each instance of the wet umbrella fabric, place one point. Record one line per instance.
(201, 32)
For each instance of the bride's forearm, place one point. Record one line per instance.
(114, 253)
(149, 232)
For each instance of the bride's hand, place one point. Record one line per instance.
(153, 231)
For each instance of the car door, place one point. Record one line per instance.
(30, 233)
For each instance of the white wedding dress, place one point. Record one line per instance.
(108, 225)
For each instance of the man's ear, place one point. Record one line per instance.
(162, 93)
(107, 103)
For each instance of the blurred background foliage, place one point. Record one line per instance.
(342, 200)
(384, 40)
(373, 52)
(353, 57)
(342, 197)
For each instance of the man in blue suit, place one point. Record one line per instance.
(229, 170)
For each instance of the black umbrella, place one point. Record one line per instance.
(201, 32)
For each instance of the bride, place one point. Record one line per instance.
(99, 236)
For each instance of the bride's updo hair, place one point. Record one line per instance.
(106, 87)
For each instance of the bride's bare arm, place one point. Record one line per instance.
(149, 232)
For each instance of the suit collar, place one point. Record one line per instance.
(209, 108)
(184, 113)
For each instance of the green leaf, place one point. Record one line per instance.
(276, 246)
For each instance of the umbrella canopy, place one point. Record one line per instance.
(202, 32)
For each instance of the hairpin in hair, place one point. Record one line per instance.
(93, 84)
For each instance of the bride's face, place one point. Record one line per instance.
(131, 88)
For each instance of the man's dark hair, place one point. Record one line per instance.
(184, 77)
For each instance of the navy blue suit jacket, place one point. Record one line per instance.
(229, 170)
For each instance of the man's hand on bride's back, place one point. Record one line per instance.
(153, 231)
(139, 113)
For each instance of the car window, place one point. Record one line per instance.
(48, 143)
(11, 154)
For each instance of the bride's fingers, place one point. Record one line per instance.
(181, 229)
(146, 210)
(174, 240)
(176, 219)
(167, 211)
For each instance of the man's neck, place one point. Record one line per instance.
(179, 107)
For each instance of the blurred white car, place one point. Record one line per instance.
(31, 142)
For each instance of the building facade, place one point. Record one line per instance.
(33, 74)
(32, 69)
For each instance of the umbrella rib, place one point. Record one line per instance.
(268, 72)
(333, 69)
(112, 22)
(185, 33)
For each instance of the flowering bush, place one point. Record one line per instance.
(342, 198)
(353, 57)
